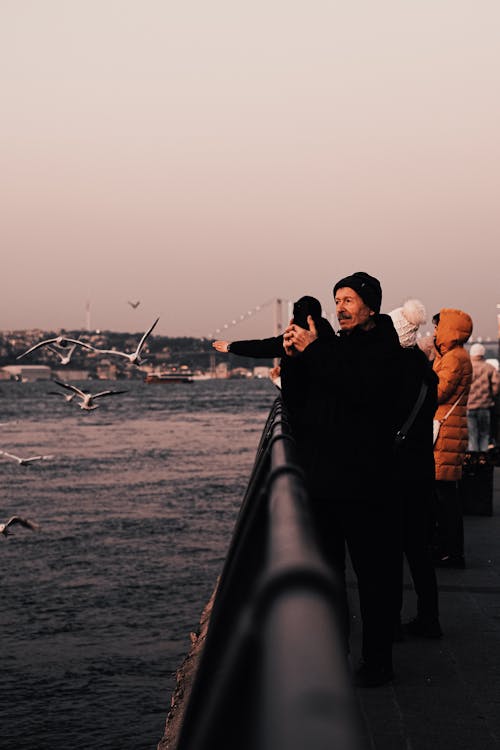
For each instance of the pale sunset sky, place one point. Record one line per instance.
(208, 156)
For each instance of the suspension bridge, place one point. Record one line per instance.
(277, 306)
(281, 309)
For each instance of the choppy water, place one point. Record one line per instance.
(137, 509)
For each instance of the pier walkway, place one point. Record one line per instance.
(447, 692)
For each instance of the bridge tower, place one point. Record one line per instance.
(278, 317)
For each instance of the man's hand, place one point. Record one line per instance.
(296, 339)
(221, 346)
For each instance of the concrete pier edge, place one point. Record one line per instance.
(184, 680)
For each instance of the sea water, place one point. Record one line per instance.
(136, 509)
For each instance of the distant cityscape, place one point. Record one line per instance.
(161, 353)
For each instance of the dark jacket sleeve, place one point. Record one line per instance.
(272, 347)
(258, 348)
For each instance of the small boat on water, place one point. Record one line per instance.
(170, 376)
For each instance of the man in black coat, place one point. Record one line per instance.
(352, 383)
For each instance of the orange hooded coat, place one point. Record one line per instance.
(454, 370)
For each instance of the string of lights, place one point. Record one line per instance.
(246, 315)
(285, 307)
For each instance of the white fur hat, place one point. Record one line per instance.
(477, 350)
(407, 320)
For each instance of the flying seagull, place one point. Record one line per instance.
(87, 399)
(65, 357)
(135, 305)
(135, 357)
(24, 461)
(61, 341)
(5, 527)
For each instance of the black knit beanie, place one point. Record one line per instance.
(368, 288)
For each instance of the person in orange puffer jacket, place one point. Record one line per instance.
(453, 367)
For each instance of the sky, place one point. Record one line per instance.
(207, 157)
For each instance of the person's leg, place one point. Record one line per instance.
(473, 430)
(417, 532)
(399, 573)
(330, 535)
(493, 426)
(372, 532)
(483, 419)
(450, 527)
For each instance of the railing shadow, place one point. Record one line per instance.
(273, 673)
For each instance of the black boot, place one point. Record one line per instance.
(373, 675)
(423, 628)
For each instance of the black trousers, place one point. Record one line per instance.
(449, 537)
(368, 524)
(418, 507)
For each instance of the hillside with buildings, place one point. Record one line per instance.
(161, 353)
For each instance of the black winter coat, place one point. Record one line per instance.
(415, 456)
(346, 397)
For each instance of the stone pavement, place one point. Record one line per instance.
(447, 692)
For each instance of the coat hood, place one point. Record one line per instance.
(454, 329)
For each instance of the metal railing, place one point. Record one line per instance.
(273, 672)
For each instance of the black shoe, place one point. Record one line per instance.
(367, 676)
(450, 561)
(423, 628)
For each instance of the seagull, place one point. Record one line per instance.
(61, 341)
(4, 527)
(24, 461)
(135, 305)
(64, 357)
(87, 399)
(135, 357)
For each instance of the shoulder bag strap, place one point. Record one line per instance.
(403, 431)
(451, 409)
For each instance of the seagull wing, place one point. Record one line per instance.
(77, 342)
(107, 393)
(70, 387)
(22, 522)
(10, 455)
(36, 346)
(55, 351)
(141, 342)
(68, 397)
